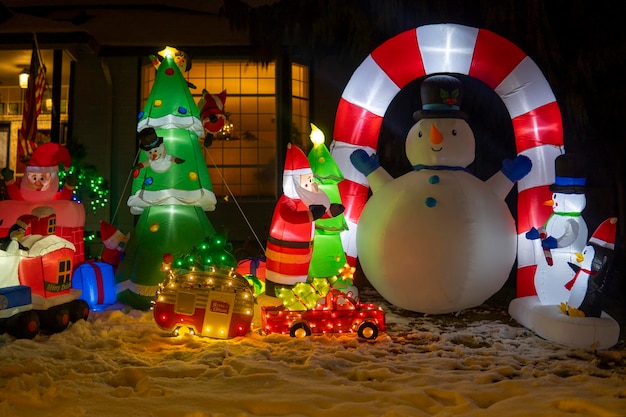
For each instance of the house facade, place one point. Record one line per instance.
(99, 75)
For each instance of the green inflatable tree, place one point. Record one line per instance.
(171, 188)
(328, 253)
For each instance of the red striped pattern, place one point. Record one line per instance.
(494, 58)
(401, 71)
(541, 126)
(498, 63)
(359, 126)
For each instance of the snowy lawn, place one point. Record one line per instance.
(476, 363)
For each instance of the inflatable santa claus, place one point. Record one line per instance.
(290, 241)
(39, 187)
(41, 179)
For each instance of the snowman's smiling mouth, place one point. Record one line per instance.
(436, 150)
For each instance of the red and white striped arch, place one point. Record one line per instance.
(452, 48)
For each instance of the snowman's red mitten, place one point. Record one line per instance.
(517, 168)
(363, 162)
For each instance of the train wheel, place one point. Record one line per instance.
(55, 319)
(24, 325)
(79, 309)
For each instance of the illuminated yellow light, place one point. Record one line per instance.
(168, 51)
(317, 136)
(181, 331)
(300, 333)
(193, 176)
(368, 332)
(158, 103)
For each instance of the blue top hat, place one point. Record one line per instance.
(442, 96)
(569, 175)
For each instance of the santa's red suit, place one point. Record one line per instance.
(290, 241)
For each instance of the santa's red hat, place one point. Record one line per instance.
(604, 236)
(49, 156)
(111, 236)
(23, 221)
(296, 164)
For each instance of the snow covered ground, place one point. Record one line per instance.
(477, 363)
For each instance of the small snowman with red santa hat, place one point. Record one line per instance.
(41, 179)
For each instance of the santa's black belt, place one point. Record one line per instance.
(290, 244)
(271, 286)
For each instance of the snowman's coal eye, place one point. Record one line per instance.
(453, 132)
(419, 134)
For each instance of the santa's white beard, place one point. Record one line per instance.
(45, 194)
(313, 197)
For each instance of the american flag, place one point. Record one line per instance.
(32, 106)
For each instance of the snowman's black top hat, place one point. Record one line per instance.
(442, 96)
(148, 139)
(569, 170)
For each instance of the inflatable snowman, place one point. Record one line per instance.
(438, 239)
(564, 234)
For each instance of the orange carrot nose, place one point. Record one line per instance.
(549, 203)
(435, 135)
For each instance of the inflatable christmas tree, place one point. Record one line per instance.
(171, 188)
(328, 253)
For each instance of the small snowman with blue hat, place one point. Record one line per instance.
(565, 233)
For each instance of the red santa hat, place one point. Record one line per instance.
(48, 156)
(111, 236)
(24, 220)
(604, 236)
(296, 164)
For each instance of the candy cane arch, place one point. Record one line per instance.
(452, 48)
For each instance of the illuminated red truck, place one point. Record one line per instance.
(337, 313)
